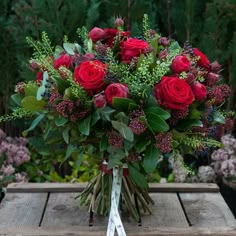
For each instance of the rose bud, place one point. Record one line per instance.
(97, 34)
(163, 41)
(116, 90)
(180, 63)
(119, 23)
(215, 66)
(212, 78)
(163, 54)
(199, 91)
(100, 101)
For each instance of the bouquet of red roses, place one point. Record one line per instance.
(130, 101)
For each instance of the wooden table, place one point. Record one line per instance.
(179, 210)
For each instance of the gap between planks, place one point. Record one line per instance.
(78, 187)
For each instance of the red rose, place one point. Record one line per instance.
(90, 75)
(132, 47)
(110, 36)
(173, 93)
(100, 101)
(116, 90)
(202, 59)
(180, 64)
(63, 60)
(97, 34)
(199, 91)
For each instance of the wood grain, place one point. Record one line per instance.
(131, 231)
(24, 209)
(207, 210)
(78, 187)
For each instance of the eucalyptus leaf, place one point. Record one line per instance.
(40, 92)
(16, 98)
(70, 48)
(218, 117)
(35, 122)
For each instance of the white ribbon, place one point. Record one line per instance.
(115, 222)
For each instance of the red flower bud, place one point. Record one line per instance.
(199, 91)
(119, 23)
(212, 78)
(163, 41)
(163, 54)
(100, 101)
(215, 66)
(180, 63)
(97, 34)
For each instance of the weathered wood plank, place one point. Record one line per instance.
(207, 210)
(22, 209)
(167, 211)
(131, 231)
(78, 187)
(63, 209)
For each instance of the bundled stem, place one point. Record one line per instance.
(97, 195)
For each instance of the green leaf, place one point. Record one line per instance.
(60, 121)
(195, 114)
(187, 124)
(58, 51)
(90, 45)
(158, 111)
(141, 145)
(156, 123)
(151, 101)
(78, 160)
(137, 177)
(123, 104)
(140, 60)
(79, 49)
(84, 126)
(65, 134)
(16, 98)
(113, 162)
(106, 112)
(70, 149)
(70, 48)
(218, 117)
(104, 143)
(124, 130)
(95, 117)
(30, 103)
(35, 122)
(150, 159)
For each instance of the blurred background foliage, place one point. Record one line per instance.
(209, 25)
